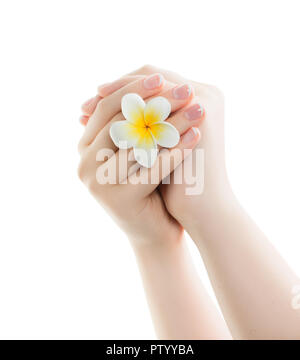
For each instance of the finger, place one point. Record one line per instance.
(120, 166)
(187, 117)
(145, 181)
(178, 96)
(110, 105)
(103, 139)
(109, 88)
(84, 119)
(90, 105)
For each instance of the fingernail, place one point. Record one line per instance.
(153, 81)
(194, 112)
(182, 92)
(84, 119)
(191, 135)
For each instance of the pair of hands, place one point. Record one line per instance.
(154, 211)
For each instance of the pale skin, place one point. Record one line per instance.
(252, 282)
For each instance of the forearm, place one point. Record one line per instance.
(179, 304)
(252, 282)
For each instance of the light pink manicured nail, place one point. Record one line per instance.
(153, 81)
(191, 135)
(194, 112)
(182, 92)
(84, 119)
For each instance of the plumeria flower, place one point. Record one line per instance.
(144, 128)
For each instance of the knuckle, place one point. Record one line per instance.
(117, 117)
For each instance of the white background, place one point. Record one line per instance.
(66, 271)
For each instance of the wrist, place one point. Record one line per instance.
(156, 252)
(217, 213)
(205, 209)
(155, 243)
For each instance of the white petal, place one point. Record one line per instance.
(145, 151)
(145, 157)
(165, 134)
(123, 134)
(156, 110)
(133, 108)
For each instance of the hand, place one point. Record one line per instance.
(240, 261)
(165, 264)
(188, 209)
(197, 208)
(137, 208)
